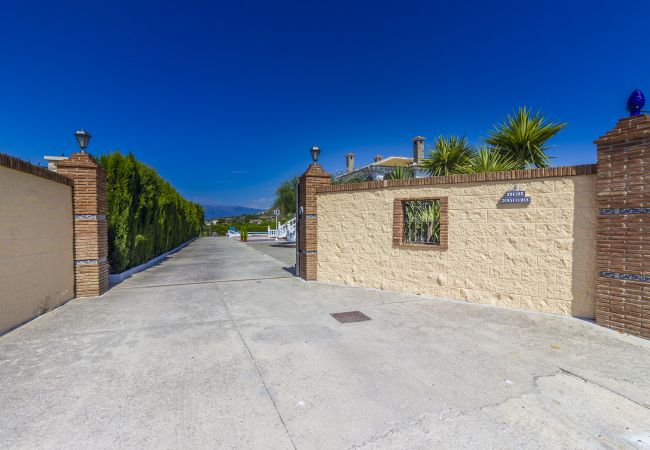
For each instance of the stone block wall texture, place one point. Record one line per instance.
(90, 228)
(623, 181)
(540, 256)
(314, 178)
(36, 241)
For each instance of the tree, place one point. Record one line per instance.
(490, 160)
(523, 138)
(285, 196)
(449, 155)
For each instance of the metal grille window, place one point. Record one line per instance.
(421, 222)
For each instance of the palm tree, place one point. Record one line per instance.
(490, 160)
(523, 137)
(449, 155)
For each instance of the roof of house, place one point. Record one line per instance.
(393, 161)
(389, 161)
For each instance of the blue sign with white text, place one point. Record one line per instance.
(515, 197)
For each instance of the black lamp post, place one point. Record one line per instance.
(315, 152)
(83, 137)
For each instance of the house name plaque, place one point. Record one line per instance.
(515, 196)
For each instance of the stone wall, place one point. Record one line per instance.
(36, 241)
(538, 256)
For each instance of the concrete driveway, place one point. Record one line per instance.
(220, 347)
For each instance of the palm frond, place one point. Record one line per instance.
(523, 138)
(491, 160)
(422, 221)
(449, 155)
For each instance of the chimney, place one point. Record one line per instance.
(418, 149)
(378, 158)
(349, 162)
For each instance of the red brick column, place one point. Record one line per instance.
(314, 177)
(623, 257)
(90, 231)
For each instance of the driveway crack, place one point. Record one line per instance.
(418, 421)
(535, 389)
(259, 374)
(568, 372)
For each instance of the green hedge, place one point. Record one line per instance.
(146, 216)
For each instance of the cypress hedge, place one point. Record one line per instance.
(146, 216)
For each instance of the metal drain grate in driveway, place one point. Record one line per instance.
(350, 316)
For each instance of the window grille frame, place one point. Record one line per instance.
(398, 224)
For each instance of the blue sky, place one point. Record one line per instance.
(225, 99)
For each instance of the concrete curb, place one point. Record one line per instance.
(117, 278)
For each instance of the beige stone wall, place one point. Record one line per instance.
(540, 256)
(36, 240)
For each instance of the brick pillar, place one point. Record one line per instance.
(623, 256)
(90, 231)
(314, 177)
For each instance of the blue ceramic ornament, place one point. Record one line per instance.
(635, 102)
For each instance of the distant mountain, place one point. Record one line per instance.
(216, 211)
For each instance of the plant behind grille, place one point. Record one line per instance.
(422, 222)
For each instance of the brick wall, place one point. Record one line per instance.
(90, 229)
(623, 259)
